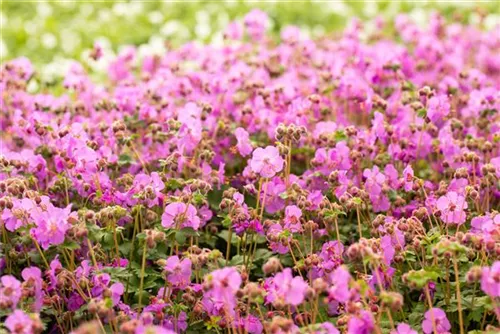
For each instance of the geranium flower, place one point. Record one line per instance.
(441, 321)
(180, 215)
(19, 322)
(179, 272)
(362, 323)
(51, 225)
(284, 288)
(266, 161)
(32, 277)
(490, 280)
(404, 329)
(10, 291)
(244, 145)
(452, 206)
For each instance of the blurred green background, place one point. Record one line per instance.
(50, 31)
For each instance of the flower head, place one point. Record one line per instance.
(404, 329)
(179, 271)
(179, 215)
(452, 206)
(266, 161)
(19, 322)
(438, 317)
(284, 288)
(490, 280)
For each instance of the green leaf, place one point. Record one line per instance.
(421, 277)
(340, 135)
(124, 160)
(70, 244)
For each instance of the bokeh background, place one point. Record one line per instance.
(50, 33)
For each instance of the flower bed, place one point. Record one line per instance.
(345, 184)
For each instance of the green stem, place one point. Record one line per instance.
(459, 298)
(143, 268)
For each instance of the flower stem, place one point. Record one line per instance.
(143, 268)
(429, 300)
(41, 253)
(459, 298)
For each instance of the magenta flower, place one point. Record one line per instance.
(331, 254)
(290, 34)
(51, 225)
(150, 186)
(266, 161)
(179, 272)
(256, 23)
(10, 291)
(33, 277)
(285, 288)
(438, 107)
(279, 238)
(244, 145)
(326, 328)
(225, 279)
(339, 289)
(179, 215)
(363, 323)
(452, 206)
(222, 285)
(440, 320)
(490, 280)
(292, 218)
(19, 215)
(19, 322)
(251, 324)
(408, 178)
(117, 290)
(404, 329)
(374, 184)
(233, 31)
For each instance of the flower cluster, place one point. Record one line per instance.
(338, 185)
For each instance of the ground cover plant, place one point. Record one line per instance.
(345, 184)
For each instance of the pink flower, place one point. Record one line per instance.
(490, 280)
(284, 288)
(244, 145)
(222, 285)
(408, 178)
(266, 161)
(51, 225)
(278, 238)
(33, 277)
(438, 107)
(19, 322)
(452, 206)
(225, 279)
(179, 272)
(180, 215)
(10, 291)
(374, 184)
(441, 321)
(292, 218)
(339, 290)
(117, 291)
(404, 329)
(326, 328)
(233, 31)
(19, 214)
(149, 186)
(363, 323)
(290, 34)
(256, 23)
